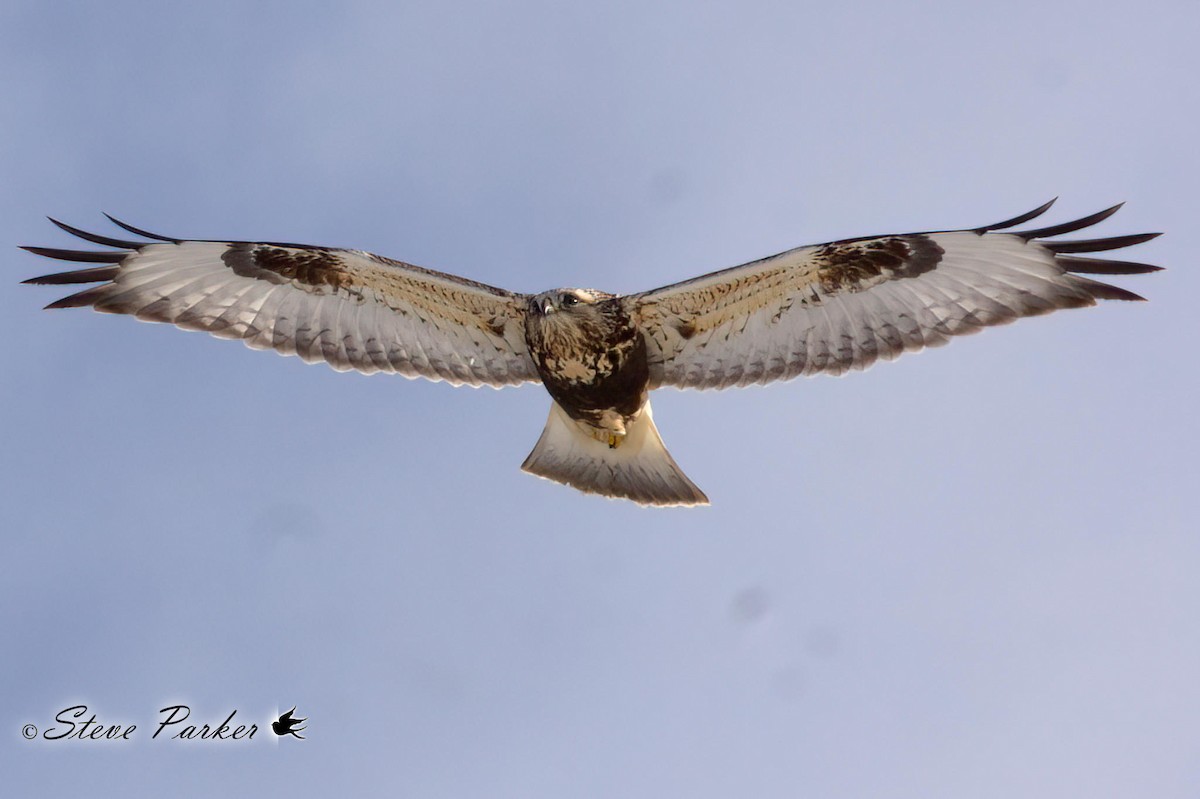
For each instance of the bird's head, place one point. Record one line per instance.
(567, 307)
(564, 301)
(569, 315)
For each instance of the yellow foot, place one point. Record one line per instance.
(612, 438)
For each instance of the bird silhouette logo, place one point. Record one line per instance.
(286, 725)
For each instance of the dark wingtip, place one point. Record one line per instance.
(94, 275)
(96, 238)
(1104, 291)
(138, 231)
(1102, 266)
(1072, 226)
(81, 299)
(1018, 220)
(81, 256)
(63, 303)
(1098, 245)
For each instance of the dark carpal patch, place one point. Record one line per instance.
(309, 267)
(853, 266)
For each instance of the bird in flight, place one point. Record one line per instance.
(825, 308)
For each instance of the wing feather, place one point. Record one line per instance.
(349, 309)
(844, 305)
(237, 320)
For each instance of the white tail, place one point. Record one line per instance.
(640, 468)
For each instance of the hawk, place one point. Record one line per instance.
(826, 308)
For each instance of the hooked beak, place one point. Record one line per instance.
(547, 308)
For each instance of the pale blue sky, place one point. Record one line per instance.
(971, 572)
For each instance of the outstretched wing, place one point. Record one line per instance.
(351, 309)
(840, 306)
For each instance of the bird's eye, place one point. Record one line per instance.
(570, 299)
